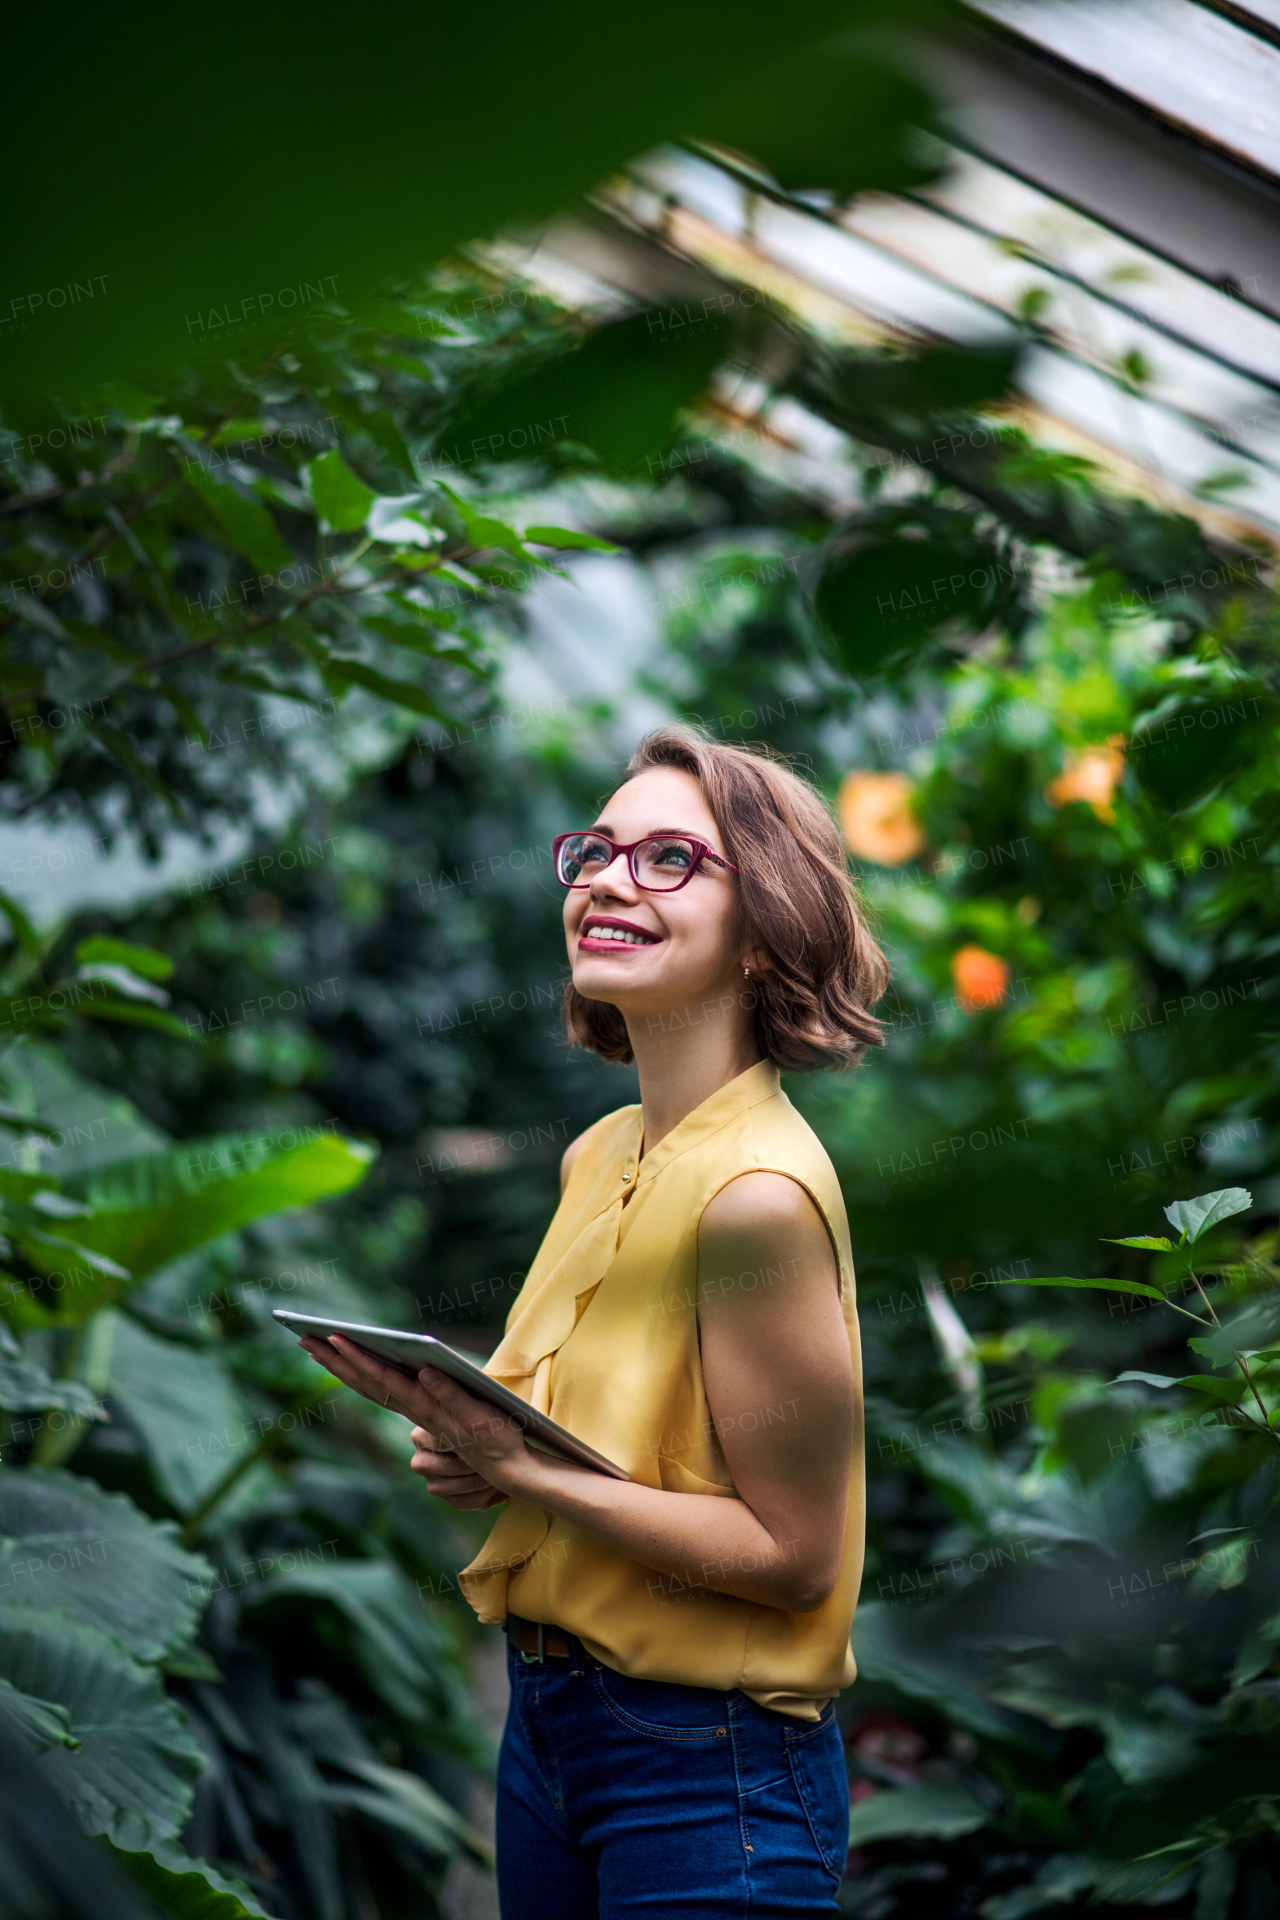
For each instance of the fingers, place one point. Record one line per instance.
(384, 1385)
(433, 1460)
(466, 1490)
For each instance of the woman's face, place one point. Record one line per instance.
(690, 944)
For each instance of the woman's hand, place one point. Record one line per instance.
(450, 1478)
(469, 1453)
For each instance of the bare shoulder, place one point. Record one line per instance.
(763, 1223)
(759, 1203)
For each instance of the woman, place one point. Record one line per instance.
(676, 1639)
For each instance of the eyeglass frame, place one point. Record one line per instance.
(701, 852)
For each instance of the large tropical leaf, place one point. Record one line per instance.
(920, 1657)
(406, 1804)
(926, 1811)
(39, 1723)
(150, 1210)
(26, 1387)
(403, 1653)
(49, 1869)
(189, 1413)
(187, 1889)
(67, 1543)
(130, 1776)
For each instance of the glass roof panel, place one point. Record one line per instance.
(1190, 66)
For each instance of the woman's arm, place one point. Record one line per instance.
(775, 1359)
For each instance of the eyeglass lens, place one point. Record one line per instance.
(657, 865)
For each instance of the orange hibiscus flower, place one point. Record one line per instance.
(1091, 775)
(876, 818)
(982, 979)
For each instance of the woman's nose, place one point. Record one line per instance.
(616, 874)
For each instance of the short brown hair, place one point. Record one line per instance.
(799, 906)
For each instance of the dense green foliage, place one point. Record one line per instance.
(287, 587)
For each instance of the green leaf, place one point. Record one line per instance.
(25, 1387)
(102, 642)
(68, 1543)
(406, 1804)
(42, 1724)
(243, 429)
(150, 1210)
(1194, 1217)
(120, 953)
(484, 531)
(1180, 753)
(23, 931)
(904, 575)
(48, 1250)
(398, 520)
(190, 1414)
(1153, 1242)
(1107, 1286)
(566, 537)
(1257, 1326)
(888, 400)
(402, 1652)
(619, 393)
(260, 683)
(133, 1015)
(308, 642)
(924, 1812)
(246, 522)
(341, 674)
(125, 982)
(122, 748)
(387, 316)
(1226, 1392)
(420, 636)
(914, 1652)
(837, 116)
(130, 1778)
(187, 1889)
(341, 499)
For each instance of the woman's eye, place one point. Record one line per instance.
(672, 854)
(593, 853)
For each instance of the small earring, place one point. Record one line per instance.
(746, 971)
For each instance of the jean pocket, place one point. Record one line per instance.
(822, 1781)
(663, 1709)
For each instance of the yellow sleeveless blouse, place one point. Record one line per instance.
(603, 1336)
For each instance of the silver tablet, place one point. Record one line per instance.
(409, 1351)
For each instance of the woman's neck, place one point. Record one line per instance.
(682, 1059)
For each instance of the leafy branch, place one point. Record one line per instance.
(1193, 1219)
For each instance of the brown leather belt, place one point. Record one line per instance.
(536, 1641)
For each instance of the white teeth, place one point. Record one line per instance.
(623, 934)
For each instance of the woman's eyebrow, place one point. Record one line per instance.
(650, 833)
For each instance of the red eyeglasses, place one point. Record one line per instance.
(663, 863)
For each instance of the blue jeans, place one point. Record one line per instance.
(640, 1797)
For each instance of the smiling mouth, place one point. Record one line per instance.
(615, 936)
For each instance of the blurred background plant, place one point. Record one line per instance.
(319, 628)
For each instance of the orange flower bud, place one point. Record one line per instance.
(1092, 775)
(876, 818)
(982, 979)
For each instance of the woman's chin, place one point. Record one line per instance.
(611, 977)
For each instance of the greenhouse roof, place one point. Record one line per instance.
(1109, 197)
